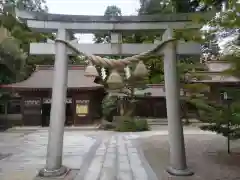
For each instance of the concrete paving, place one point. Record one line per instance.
(116, 158)
(29, 152)
(96, 155)
(206, 155)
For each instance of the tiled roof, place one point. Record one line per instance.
(42, 78)
(215, 72)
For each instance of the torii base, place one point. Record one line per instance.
(53, 173)
(177, 172)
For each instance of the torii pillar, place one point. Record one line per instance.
(54, 165)
(178, 165)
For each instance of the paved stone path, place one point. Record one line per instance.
(115, 158)
(29, 152)
(97, 155)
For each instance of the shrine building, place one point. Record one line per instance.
(83, 102)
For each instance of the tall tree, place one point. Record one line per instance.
(178, 6)
(18, 39)
(29, 5)
(193, 93)
(110, 12)
(113, 11)
(223, 116)
(155, 7)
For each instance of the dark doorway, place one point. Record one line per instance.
(154, 107)
(69, 115)
(46, 109)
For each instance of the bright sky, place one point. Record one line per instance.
(91, 7)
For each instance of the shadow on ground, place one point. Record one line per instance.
(206, 154)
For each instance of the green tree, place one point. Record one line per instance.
(189, 89)
(14, 44)
(223, 116)
(113, 11)
(29, 5)
(155, 7)
(110, 12)
(193, 94)
(178, 6)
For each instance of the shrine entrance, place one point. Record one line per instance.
(63, 46)
(46, 109)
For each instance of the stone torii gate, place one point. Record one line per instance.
(63, 24)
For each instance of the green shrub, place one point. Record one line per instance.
(105, 125)
(126, 124)
(129, 124)
(141, 125)
(109, 105)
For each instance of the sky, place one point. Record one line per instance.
(94, 7)
(91, 7)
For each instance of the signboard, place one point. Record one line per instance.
(49, 101)
(81, 110)
(32, 102)
(82, 107)
(32, 106)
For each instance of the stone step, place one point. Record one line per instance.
(156, 124)
(66, 128)
(153, 122)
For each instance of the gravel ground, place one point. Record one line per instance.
(206, 154)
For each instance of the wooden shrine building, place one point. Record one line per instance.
(83, 103)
